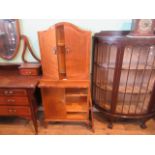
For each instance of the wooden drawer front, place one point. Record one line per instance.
(29, 71)
(13, 92)
(14, 101)
(14, 111)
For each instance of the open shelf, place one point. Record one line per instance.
(77, 116)
(76, 107)
(76, 100)
(76, 92)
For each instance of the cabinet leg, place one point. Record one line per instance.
(33, 110)
(92, 126)
(91, 114)
(143, 125)
(27, 121)
(91, 121)
(36, 129)
(110, 125)
(35, 123)
(45, 124)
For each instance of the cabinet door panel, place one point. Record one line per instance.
(54, 103)
(77, 43)
(49, 61)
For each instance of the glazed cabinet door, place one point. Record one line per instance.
(49, 61)
(77, 44)
(105, 58)
(136, 80)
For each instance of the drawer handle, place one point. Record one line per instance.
(11, 100)
(12, 110)
(8, 92)
(29, 72)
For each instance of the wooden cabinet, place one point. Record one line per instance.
(65, 85)
(123, 76)
(17, 94)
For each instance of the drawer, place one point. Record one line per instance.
(14, 111)
(29, 72)
(29, 69)
(14, 101)
(13, 92)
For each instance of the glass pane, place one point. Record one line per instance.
(104, 67)
(137, 79)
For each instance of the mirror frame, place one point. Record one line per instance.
(17, 44)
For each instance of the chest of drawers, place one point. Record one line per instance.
(17, 94)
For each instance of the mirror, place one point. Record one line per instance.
(9, 38)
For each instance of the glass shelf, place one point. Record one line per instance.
(126, 66)
(124, 89)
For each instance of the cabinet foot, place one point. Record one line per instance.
(110, 125)
(91, 124)
(143, 125)
(45, 124)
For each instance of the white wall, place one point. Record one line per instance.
(30, 27)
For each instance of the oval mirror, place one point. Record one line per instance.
(9, 38)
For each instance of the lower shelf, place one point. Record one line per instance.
(76, 107)
(140, 108)
(77, 116)
(132, 109)
(71, 116)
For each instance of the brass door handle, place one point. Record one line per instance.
(54, 50)
(67, 49)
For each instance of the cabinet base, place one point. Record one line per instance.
(119, 117)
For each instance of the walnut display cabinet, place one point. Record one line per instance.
(123, 76)
(65, 85)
